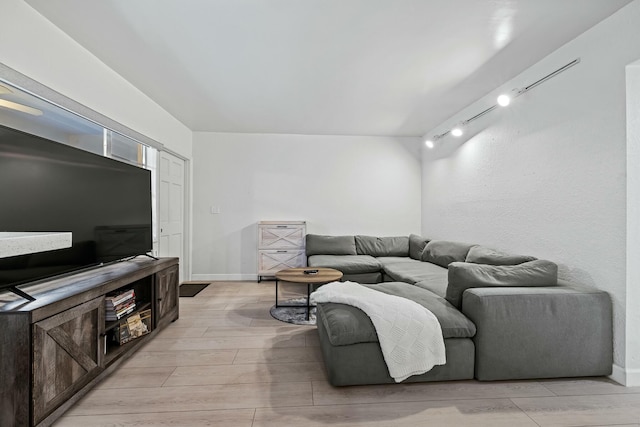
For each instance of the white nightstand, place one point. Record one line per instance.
(281, 244)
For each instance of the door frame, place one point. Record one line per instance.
(185, 262)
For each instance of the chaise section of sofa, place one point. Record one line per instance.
(351, 350)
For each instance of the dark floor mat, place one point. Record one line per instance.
(191, 289)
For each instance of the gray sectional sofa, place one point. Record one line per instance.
(503, 316)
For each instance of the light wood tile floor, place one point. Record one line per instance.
(226, 362)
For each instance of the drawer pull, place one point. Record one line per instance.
(282, 226)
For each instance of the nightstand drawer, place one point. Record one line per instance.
(272, 236)
(272, 261)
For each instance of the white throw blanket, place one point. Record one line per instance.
(410, 335)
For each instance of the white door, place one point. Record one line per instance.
(171, 208)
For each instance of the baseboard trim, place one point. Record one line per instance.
(225, 277)
(618, 374)
(626, 377)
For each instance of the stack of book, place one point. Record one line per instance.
(118, 306)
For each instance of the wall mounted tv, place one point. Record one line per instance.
(51, 187)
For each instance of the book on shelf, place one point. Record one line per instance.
(119, 305)
(112, 314)
(112, 301)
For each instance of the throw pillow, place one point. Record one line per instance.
(443, 252)
(382, 246)
(483, 255)
(416, 246)
(463, 276)
(330, 245)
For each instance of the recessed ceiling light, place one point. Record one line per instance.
(429, 143)
(456, 131)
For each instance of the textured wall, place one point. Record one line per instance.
(546, 176)
(338, 184)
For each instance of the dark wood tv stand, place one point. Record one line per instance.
(55, 349)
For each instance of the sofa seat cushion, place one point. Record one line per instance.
(363, 277)
(454, 324)
(393, 259)
(436, 283)
(347, 264)
(414, 271)
(346, 325)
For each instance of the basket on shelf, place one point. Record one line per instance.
(133, 327)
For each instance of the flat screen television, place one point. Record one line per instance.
(46, 186)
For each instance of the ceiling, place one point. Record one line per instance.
(324, 67)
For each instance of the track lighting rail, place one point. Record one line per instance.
(503, 100)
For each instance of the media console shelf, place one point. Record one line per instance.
(55, 349)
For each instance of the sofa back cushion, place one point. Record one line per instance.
(416, 246)
(330, 245)
(483, 255)
(443, 252)
(382, 246)
(463, 276)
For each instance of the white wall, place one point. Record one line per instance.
(338, 184)
(546, 176)
(632, 362)
(33, 46)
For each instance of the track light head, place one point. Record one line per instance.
(504, 100)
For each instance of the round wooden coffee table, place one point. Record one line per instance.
(314, 276)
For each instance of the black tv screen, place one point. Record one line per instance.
(46, 186)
